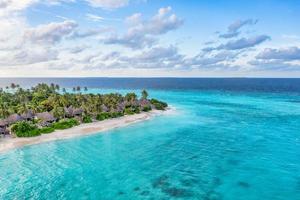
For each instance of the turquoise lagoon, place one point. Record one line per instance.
(216, 145)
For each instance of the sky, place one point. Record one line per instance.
(149, 38)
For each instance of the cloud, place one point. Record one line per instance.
(164, 58)
(235, 26)
(229, 35)
(9, 7)
(134, 19)
(161, 23)
(281, 59)
(155, 58)
(141, 32)
(218, 61)
(287, 54)
(233, 29)
(244, 42)
(108, 4)
(93, 17)
(26, 56)
(159, 55)
(131, 41)
(50, 33)
(273, 65)
(90, 33)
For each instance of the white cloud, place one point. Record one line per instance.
(141, 33)
(108, 4)
(50, 33)
(244, 42)
(233, 29)
(9, 7)
(134, 19)
(90, 32)
(290, 53)
(93, 17)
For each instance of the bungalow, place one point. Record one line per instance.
(144, 102)
(104, 108)
(13, 119)
(78, 111)
(4, 131)
(72, 112)
(120, 107)
(28, 115)
(69, 111)
(3, 123)
(46, 118)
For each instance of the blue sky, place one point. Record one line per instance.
(150, 38)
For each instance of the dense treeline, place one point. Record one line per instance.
(50, 103)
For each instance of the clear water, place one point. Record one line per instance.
(217, 145)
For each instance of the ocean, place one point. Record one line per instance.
(228, 139)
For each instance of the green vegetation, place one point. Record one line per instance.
(65, 124)
(44, 108)
(159, 105)
(146, 108)
(25, 129)
(102, 116)
(46, 130)
(87, 119)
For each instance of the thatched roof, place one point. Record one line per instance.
(78, 111)
(14, 118)
(135, 103)
(144, 102)
(2, 130)
(120, 107)
(46, 117)
(71, 112)
(28, 115)
(3, 123)
(104, 108)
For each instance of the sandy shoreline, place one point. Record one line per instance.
(7, 144)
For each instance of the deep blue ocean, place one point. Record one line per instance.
(228, 139)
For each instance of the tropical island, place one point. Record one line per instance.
(43, 109)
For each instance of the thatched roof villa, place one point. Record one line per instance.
(13, 119)
(46, 117)
(29, 115)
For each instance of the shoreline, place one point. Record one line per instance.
(10, 143)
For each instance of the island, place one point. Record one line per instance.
(28, 114)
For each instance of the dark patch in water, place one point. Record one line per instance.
(177, 192)
(188, 182)
(226, 104)
(193, 157)
(188, 172)
(233, 162)
(294, 101)
(243, 184)
(217, 181)
(120, 193)
(145, 193)
(160, 182)
(136, 189)
(212, 195)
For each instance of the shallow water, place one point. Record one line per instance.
(217, 145)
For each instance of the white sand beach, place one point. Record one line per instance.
(10, 143)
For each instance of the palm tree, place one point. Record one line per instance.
(144, 94)
(13, 86)
(57, 87)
